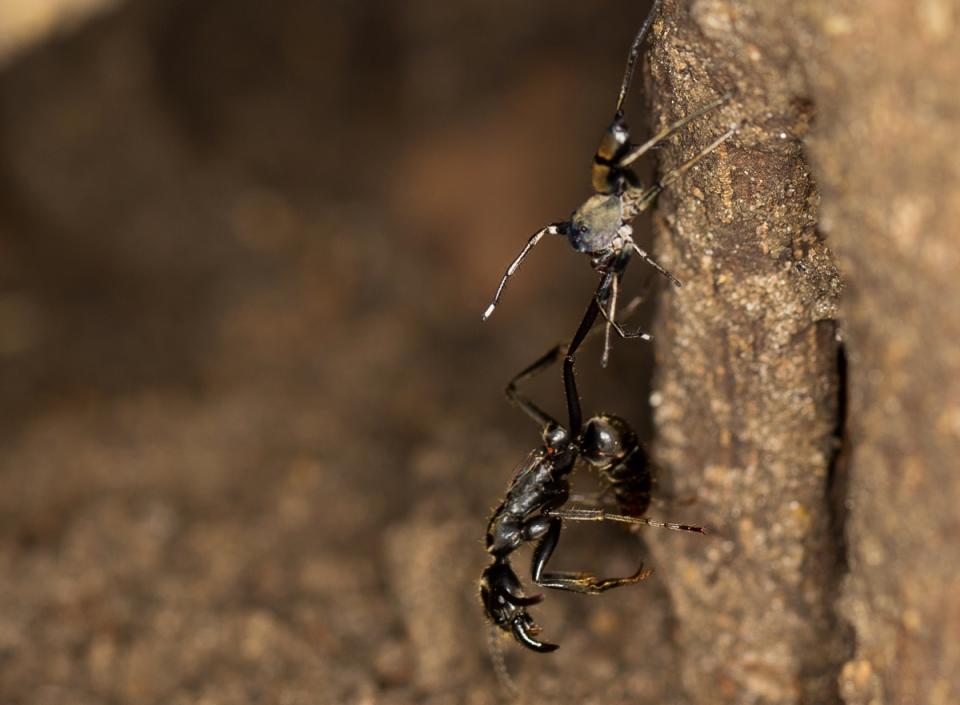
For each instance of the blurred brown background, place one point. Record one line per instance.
(252, 425)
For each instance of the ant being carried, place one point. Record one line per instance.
(533, 509)
(600, 227)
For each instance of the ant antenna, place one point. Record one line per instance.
(507, 685)
(632, 57)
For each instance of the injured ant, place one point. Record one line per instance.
(533, 508)
(600, 227)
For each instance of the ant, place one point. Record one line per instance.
(600, 227)
(533, 508)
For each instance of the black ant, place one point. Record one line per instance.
(600, 227)
(533, 508)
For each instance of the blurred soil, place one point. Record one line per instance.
(252, 426)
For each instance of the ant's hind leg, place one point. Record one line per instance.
(583, 583)
(638, 200)
(578, 514)
(642, 149)
(528, 407)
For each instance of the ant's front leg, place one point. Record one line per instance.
(583, 583)
(554, 229)
(582, 514)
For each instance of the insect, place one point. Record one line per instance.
(534, 508)
(600, 227)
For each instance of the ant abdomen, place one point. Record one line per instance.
(630, 482)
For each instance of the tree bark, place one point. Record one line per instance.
(885, 80)
(747, 396)
(750, 393)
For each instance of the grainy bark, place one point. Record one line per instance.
(885, 79)
(747, 389)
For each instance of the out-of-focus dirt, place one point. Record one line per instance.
(252, 425)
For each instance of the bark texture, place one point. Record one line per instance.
(885, 80)
(748, 401)
(747, 398)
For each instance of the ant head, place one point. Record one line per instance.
(556, 437)
(607, 440)
(506, 605)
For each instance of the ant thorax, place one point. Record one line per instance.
(597, 226)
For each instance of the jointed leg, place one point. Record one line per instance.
(614, 291)
(632, 56)
(656, 265)
(642, 149)
(623, 332)
(541, 417)
(637, 200)
(569, 379)
(584, 583)
(579, 514)
(555, 229)
(551, 357)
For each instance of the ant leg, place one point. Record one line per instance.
(583, 583)
(632, 56)
(614, 290)
(550, 358)
(569, 379)
(577, 514)
(637, 200)
(555, 229)
(624, 333)
(653, 263)
(541, 417)
(642, 149)
(611, 322)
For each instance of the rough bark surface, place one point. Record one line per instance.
(885, 81)
(747, 395)
(747, 392)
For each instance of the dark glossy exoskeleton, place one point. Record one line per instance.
(534, 507)
(600, 227)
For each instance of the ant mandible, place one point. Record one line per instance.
(533, 508)
(600, 227)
